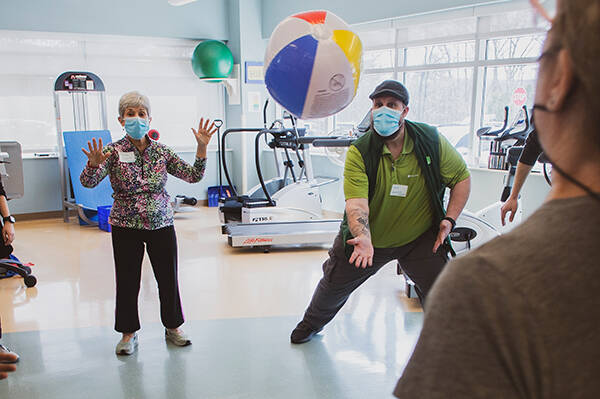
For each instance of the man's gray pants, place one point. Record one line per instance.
(341, 278)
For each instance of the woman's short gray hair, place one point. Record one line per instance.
(133, 99)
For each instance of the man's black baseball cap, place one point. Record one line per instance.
(391, 88)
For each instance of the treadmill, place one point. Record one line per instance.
(267, 234)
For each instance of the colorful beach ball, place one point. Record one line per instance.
(312, 64)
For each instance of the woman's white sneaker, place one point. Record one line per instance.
(177, 337)
(127, 347)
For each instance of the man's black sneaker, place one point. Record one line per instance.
(303, 333)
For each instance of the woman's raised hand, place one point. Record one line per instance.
(204, 132)
(95, 155)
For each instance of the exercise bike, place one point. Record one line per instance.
(505, 147)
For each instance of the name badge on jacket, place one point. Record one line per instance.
(399, 190)
(128, 157)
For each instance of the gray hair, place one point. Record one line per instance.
(133, 99)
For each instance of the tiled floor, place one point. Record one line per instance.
(240, 308)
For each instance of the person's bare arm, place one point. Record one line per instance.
(357, 212)
(511, 205)
(8, 229)
(459, 194)
(541, 10)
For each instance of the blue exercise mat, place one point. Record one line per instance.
(90, 198)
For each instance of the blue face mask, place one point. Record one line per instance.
(386, 121)
(136, 127)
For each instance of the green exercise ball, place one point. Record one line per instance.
(212, 59)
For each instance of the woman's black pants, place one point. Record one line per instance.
(128, 250)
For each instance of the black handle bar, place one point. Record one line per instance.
(223, 158)
(521, 134)
(329, 142)
(495, 132)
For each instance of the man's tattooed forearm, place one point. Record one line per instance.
(365, 223)
(359, 223)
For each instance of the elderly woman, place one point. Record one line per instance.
(141, 214)
(518, 317)
(8, 236)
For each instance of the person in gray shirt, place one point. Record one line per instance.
(520, 316)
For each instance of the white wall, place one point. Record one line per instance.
(42, 184)
(158, 67)
(247, 44)
(206, 19)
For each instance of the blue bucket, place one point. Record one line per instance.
(103, 214)
(217, 192)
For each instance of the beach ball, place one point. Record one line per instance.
(312, 64)
(212, 59)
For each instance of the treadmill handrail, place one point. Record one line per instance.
(258, 168)
(317, 141)
(224, 158)
(333, 142)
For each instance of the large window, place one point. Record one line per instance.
(442, 97)
(355, 112)
(500, 85)
(441, 53)
(514, 47)
(460, 71)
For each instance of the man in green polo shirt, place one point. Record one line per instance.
(394, 179)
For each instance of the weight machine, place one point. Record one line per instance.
(76, 93)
